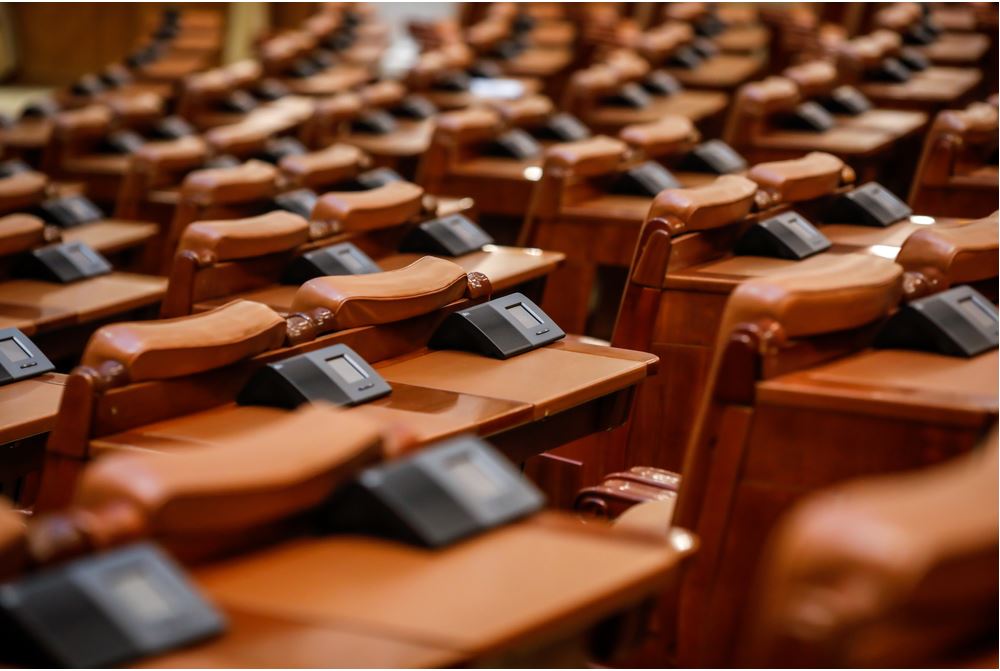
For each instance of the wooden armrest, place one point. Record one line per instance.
(627, 65)
(594, 156)
(662, 137)
(172, 155)
(246, 238)
(283, 468)
(966, 253)
(166, 348)
(851, 291)
(326, 166)
(533, 109)
(594, 81)
(381, 94)
(813, 78)
(20, 233)
(815, 174)
(423, 286)
(388, 205)
(22, 190)
(91, 121)
(770, 95)
(253, 180)
(468, 126)
(725, 201)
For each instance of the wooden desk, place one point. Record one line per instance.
(931, 90)
(540, 580)
(29, 407)
(445, 393)
(967, 49)
(901, 123)
(86, 300)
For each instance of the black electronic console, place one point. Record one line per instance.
(375, 122)
(561, 127)
(453, 235)
(786, 236)
(343, 258)
(919, 34)
(415, 107)
(238, 102)
(278, 148)
(302, 68)
(372, 179)
(516, 144)
(890, 70)
(706, 48)
(269, 90)
(958, 322)
(646, 179)
(104, 610)
(122, 142)
(171, 128)
(870, 204)
(913, 59)
(20, 358)
(335, 374)
(687, 57)
(661, 83)
(501, 328)
(846, 100)
(64, 262)
(14, 166)
(714, 156)
(454, 81)
(70, 211)
(45, 108)
(630, 95)
(446, 492)
(299, 201)
(808, 116)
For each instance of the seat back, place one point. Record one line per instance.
(770, 327)
(826, 596)
(754, 106)
(457, 136)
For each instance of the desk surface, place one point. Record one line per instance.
(550, 379)
(94, 298)
(29, 407)
(436, 395)
(839, 140)
(934, 85)
(911, 385)
(411, 138)
(537, 579)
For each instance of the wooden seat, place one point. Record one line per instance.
(577, 199)
(798, 401)
(954, 175)
(755, 129)
(455, 164)
(587, 88)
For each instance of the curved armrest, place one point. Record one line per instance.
(814, 175)
(165, 348)
(391, 204)
(287, 467)
(425, 285)
(246, 238)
